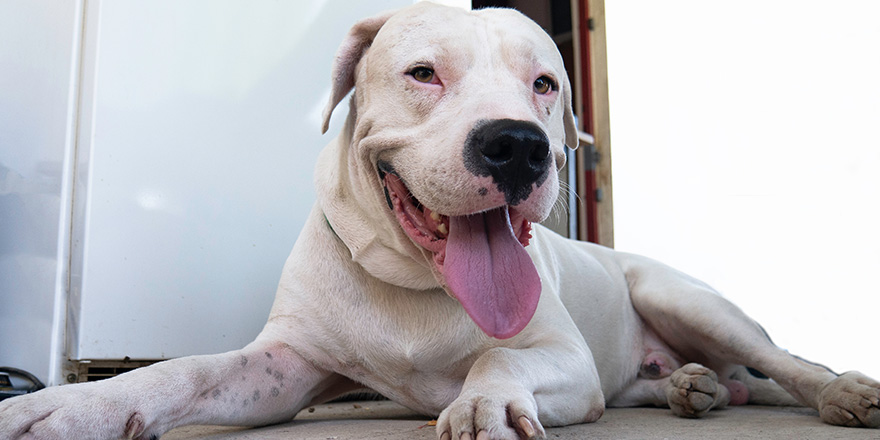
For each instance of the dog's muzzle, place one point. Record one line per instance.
(479, 257)
(515, 153)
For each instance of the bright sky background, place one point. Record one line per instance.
(746, 152)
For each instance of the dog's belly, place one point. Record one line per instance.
(595, 293)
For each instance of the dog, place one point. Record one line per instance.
(422, 273)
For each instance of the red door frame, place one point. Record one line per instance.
(588, 198)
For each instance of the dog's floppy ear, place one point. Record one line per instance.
(356, 43)
(571, 129)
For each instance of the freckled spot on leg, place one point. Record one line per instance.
(483, 191)
(204, 395)
(256, 395)
(244, 402)
(243, 361)
(275, 392)
(279, 376)
(243, 378)
(216, 394)
(269, 355)
(268, 371)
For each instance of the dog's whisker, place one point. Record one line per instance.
(561, 209)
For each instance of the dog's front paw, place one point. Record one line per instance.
(852, 399)
(70, 411)
(693, 390)
(498, 415)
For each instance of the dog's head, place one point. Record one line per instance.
(456, 130)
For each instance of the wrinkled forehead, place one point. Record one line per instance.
(430, 33)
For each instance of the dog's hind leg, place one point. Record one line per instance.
(701, 326)
(761, 389)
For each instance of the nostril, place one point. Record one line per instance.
(498, 151)
(540, 152)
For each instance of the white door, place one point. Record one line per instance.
(199, 128)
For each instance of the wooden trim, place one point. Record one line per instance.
(595, 214)
(601, 122)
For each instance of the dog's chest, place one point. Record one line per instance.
(416, 349)
(421, 373)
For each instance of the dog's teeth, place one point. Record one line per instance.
(435, 216)
(441, 228)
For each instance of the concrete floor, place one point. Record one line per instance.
(387, 420)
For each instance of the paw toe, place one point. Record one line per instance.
(851, 400)
(482, 417)
(693, 390)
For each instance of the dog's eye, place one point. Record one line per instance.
(544, 85)
(422, 74)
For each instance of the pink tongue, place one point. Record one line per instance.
(490, 273)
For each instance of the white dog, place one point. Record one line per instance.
(420, 273)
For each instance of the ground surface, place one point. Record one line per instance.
(387, 420)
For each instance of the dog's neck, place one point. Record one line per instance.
(384, 253)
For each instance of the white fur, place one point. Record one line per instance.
(360, 304)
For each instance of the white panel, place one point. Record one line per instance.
(201, 130)
(38, 51)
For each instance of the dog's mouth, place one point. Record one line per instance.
(479, 258)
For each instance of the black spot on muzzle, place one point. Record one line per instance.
(515, 153)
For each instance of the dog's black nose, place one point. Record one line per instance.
(515, 153)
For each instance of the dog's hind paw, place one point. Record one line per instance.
(852, 399)
(495, 416)
(693, 390)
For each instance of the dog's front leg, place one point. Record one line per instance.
(513, 393)
(266, 382)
